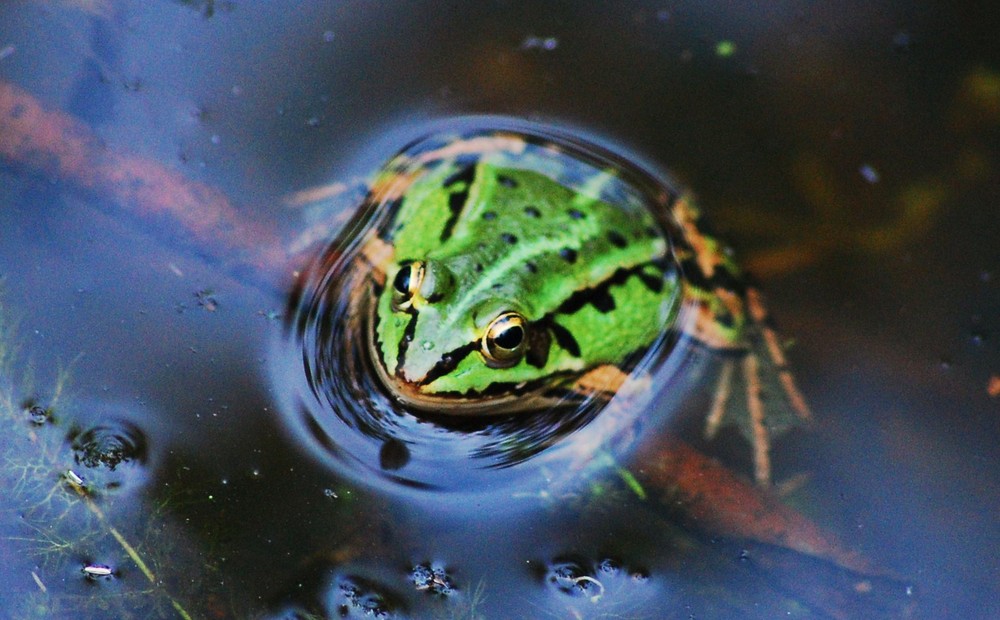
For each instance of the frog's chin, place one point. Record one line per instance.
(520, 398)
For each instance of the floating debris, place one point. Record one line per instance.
(75, 479)
(432, 578)
(108, 446)
(363, 599)
(270, 315)
(993, 386)
(546, 44)
(97, 571)
(207, 300)
(38, 582)
(571, 577)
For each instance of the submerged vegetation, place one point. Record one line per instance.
(58, 526)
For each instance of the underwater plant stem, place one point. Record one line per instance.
(129, 549)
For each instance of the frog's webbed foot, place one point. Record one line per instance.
(763, 371)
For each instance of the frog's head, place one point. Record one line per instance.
(441, 337)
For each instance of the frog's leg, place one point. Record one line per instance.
(760, 317)
(605, 379)
(762, 369)
(730, 317)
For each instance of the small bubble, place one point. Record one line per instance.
(609, 566)
(313, 121)
(330, 493)
(237, 90)
(725, 49)
(427, 345)
(7, 51)
(869, 173)
(215, 139)
(901, 41)
(38, 415)
(328, 36)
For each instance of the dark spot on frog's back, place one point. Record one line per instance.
(565, 339)
(509, 238)
(532, 211)
(576, 214)
(568, 255)
(617, 239)
(506, 181)
(457, 199)
(466, 173)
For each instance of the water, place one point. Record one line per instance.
(847, 152)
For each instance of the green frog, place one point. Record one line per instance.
(516, 271)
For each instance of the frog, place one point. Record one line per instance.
(518, 271)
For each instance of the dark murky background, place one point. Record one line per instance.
(848, 151)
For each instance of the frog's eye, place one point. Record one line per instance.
(505, 340)
(406, 284)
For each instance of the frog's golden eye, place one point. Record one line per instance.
(505, 340)
(406, 284)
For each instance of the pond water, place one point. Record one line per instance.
(168, 171)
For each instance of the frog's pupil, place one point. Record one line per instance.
(510, 337)
(402, 281)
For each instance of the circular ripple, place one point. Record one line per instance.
(331, 385)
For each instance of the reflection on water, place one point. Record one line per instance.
(847, 151)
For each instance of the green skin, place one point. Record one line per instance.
(479, 235)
